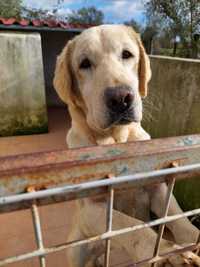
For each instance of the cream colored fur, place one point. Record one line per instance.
(82, 91)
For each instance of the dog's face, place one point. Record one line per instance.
(105, 68)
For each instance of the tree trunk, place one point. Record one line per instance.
(174, 50)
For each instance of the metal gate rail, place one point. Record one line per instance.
(125, 162)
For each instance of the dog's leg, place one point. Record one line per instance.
(75, 139)
(182, 229)
(84, 255)
(139, 244)
(74, 255)
(93, 217)
(137, 133)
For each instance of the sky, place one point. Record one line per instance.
(115, 11)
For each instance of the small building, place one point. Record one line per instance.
(37, 46)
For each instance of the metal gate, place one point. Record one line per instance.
(79, 173)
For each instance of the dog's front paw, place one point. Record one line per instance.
(186, 259)
(191, 258)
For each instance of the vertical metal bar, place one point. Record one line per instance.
(165, 212)
(198, 241)
(38, 232)
(109, 225)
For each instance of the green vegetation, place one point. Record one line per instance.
(178, 24)
(172, 27)
(84, 15)
(22, 123)
(16, 9)
(10, 8)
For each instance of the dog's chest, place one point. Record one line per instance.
(134, 202)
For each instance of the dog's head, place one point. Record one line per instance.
(104, 71)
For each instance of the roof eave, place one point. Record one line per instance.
(39, 29)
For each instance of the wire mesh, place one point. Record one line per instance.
(143, 178)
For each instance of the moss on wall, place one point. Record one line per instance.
(22, 94)
(23, 122)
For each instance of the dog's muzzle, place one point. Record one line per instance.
(120, 104)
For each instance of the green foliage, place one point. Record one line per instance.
(15, 9)
(132, 23)
(181, 17)
(10, 8)
(89, 15)
(36, 13)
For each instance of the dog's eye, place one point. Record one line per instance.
(126, 54)
(85, 64)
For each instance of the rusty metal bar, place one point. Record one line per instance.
(139, 179)
(106, 235)
(38, 232)
(55, 168)
(165, 212)
(50, 169)
(37, 161)
(109, 226)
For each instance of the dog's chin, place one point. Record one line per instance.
(125, 118)
(111, 122)
(121, 121)
(125, 121)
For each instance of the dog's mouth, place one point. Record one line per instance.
(124, 118)
(124, 121)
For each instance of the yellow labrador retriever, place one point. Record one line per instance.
(101, 75)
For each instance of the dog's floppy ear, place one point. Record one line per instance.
(144, 69)
(63, 81)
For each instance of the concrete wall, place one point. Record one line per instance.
(27, 65)
(22, 94)
(172, 108)
(173, 105)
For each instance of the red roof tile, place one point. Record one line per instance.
(24, 22)
(9, 21)
(42, 23)
(37, 22)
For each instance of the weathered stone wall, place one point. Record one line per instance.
(173, 108)
(22, 94)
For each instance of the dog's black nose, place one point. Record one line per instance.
(119, 99)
